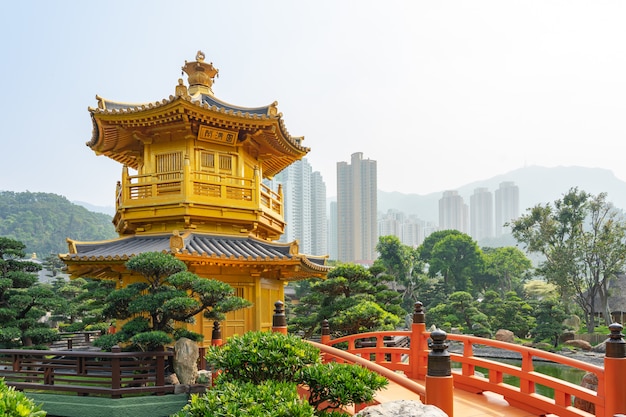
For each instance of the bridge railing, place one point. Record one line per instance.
(416, 361)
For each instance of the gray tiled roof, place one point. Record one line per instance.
(195, 243)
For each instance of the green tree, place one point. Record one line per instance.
(402, 264)
(82, 303)
(23, 300)
(509, 312)
(459, 311)
(347, 291)
(455, 257)
(170, 295)
(582, 238)
(507, 269)
(549, 316)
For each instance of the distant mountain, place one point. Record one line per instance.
(43, 222)
(110, 210)
(537, 185)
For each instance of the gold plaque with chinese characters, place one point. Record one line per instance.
(221, 136)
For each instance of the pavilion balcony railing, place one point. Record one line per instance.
(200, 187)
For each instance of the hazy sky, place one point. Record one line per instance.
(439, 93)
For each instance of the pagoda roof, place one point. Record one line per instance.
(216, 249)
(121, 129)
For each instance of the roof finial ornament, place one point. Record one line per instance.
(200, 75)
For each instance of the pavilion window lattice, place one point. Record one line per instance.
(169, 168)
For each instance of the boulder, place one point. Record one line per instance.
(186, 355)
(504, 335)
(599, 348)
(567, 335)
(401, 408)
(590, 381)
(580, 344)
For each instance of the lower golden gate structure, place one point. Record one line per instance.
(192, 185)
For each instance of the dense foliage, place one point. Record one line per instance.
(23, 300)
(168, 296)
(43, 222)
(582, 238)
(246, 399)
(82, 303)
(16, 404)
(259, 362)
(352, 298)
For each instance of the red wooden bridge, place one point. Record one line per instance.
(422, 371)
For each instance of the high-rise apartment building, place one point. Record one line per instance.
(481, 214)
(332, 231)
(357, 227)
(410, 230)
(319, 220)
(507, 206)
(453, 212)
(304, 193)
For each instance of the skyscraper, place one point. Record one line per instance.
(507, 206)
(304, 192)
(332, 231)
(481, 214)
(357, 227)
(319, 220)
(453, 212)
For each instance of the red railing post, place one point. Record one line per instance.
(614, 371)
(417, 341)
(279, 320)
(439, 382)
(216, 335)
(325, 332)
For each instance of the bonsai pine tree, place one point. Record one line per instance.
(23, 300)
(169, 296)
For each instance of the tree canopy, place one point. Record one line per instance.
(168, 297)
(582, 238)
(23, 300)
(454, 256)
(352, 299)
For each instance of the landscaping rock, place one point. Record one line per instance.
(580, 344)
(590, 381)
(186, 355)
(599, 348)
(565, 336)
(504, 335)
(402, 408)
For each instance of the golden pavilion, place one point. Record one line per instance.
(192, 185)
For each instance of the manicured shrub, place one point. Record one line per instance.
(15, 404)
(339, 384)
(239, 399)
(259, 356)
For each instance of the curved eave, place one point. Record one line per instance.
(105, 259)
(113, 125)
